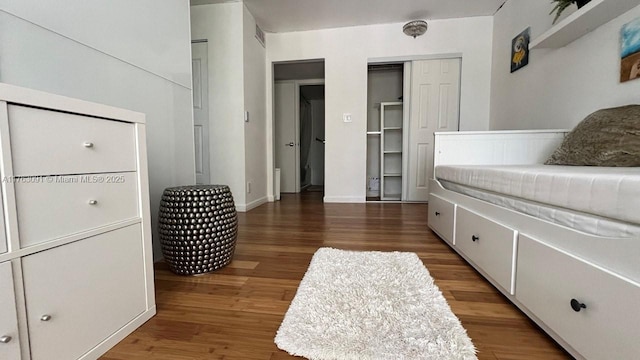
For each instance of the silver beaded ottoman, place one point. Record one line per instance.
(198, 228)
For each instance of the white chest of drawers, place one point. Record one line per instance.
(76, 271)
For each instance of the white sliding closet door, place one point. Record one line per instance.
(435, 106)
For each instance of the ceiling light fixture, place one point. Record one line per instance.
(415, 28)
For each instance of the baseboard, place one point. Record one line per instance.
(252, 205)
(271, 198)
(344, 199)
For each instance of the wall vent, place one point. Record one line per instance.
(260, 36)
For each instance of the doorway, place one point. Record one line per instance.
(299, 125)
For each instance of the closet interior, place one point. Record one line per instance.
(385, 131)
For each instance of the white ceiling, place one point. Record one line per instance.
(299, 15)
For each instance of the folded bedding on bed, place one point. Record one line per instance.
(608, 192)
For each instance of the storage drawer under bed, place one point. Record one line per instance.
(593, 310)
(441, 218)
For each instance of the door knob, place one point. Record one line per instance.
(475, 238)
(290, 144)
(5, 339)
(88, 144)
(45, 317)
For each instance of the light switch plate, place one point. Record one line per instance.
(346, 117)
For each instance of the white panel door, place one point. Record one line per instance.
(435, 106)
(286, 135)
(9, 341)
(201, 111)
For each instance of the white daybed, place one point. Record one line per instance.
(562, 243)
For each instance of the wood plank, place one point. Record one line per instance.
(234, 312)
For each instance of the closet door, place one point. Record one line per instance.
(435, 103)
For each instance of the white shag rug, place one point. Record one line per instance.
(371, 305)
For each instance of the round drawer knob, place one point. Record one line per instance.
(45, 317)
(93, 202)
(88, 144)
(437, 213)
(577, 305)
(5, 339)
(475, 238)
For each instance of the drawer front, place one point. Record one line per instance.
(548, 280)
(489, 245)
(64, 206)
(90, 289)
(8, 315)
(441, 217)
(47, 142)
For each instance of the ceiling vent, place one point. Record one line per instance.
(260, 36)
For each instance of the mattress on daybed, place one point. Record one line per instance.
(599, 200)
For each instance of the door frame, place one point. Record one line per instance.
(297, 84)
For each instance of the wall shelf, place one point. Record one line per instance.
(581, 22)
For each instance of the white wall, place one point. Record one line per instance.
(559, 87)
(255, 103)
(133, 55)
(347, 52)
(236, 83)
(221, 25)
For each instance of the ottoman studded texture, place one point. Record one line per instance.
(198, 228)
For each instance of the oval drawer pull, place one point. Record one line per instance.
(475, 238)
(93, 202)
(88, 144)
(577, 305)
(437, 213)
(45, 317)
(5, 339)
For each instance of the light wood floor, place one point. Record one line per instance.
(234, 313)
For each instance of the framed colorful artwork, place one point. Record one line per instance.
(630, 51)
(520, 50)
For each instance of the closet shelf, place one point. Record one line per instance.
(374, 132)
(393, 175)
(393, 128)
(581, 22)
(392, 152)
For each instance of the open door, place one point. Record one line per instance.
(287, 149)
